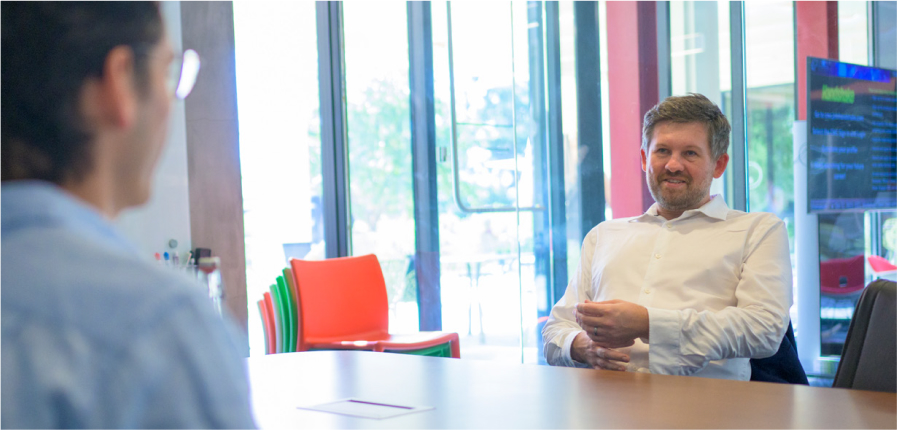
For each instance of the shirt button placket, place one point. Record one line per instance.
(645, 298)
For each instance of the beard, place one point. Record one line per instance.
(678, 200)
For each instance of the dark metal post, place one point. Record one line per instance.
(589, 116)
(738, 118)
(334, 169)
(555, 153)
(424, 167)
(537, 115)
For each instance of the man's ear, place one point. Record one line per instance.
(116, 89)
(721, 165)
(642, 153)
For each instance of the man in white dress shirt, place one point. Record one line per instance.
(690, 287)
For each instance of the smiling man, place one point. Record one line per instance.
(690, 287)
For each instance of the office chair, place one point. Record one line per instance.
(868, 357)
(343, 305)
(783, 367)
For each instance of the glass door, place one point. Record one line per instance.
(493, 222)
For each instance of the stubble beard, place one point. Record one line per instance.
(689, 198)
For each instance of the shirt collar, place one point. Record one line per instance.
(715, 208)
(32, 203)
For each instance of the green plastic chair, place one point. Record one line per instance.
(288, 304)
(444, 350)
(294, 308)
(278, 317)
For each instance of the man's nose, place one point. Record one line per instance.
(674, 164)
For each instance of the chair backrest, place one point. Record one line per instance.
(340, 298)
(263, 314)
(278, 317)
(289, 306)
(868, 357)
(783, 367)
(294, 303)
(268, 317)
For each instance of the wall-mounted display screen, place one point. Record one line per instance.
(852, 148)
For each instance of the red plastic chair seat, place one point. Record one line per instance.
(343, 305)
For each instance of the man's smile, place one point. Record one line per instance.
(674, 182)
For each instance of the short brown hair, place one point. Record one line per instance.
(689, 108)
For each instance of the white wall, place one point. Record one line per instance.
(167, 215)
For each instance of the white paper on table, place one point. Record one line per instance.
(365, 408)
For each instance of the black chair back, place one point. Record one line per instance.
(868, 357)
(782, 367)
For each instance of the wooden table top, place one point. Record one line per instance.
(483, 394)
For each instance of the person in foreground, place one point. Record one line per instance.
(94, 335)
(690, 287)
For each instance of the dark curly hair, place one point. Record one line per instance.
(48, 51)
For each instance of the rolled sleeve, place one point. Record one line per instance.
(562, 328)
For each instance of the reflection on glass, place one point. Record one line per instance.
(841, 275)
(277, 91)
(380, 166)
(770, 76)
(700, 57)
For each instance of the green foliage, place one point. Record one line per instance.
(380, 167)
(770, 145)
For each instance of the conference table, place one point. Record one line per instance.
(482, 394)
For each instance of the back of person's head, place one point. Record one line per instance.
(49, 50)
(689, 108)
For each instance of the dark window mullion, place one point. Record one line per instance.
(334, 169)
(424, 168)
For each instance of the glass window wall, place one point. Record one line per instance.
(380, 165)
(491, 66)
(280, 148)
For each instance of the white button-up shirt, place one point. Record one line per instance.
(717, 284)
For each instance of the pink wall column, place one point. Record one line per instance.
(816, 35)
(632, 90)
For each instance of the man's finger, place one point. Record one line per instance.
(590, 309)
(610, 354)
(601, 363)
(608, 302)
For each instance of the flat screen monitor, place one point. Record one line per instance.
(852, 148)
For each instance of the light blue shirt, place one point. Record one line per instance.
(95, 336)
